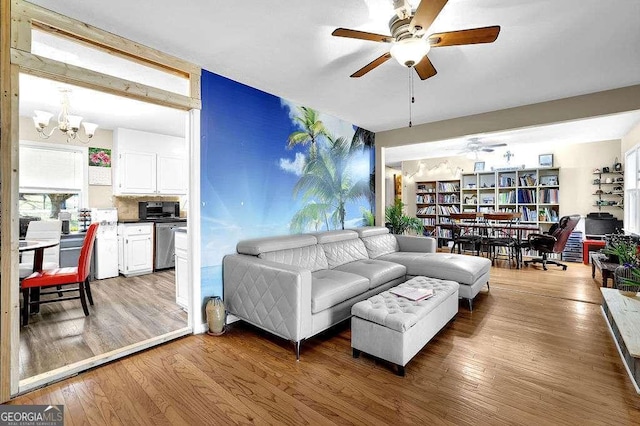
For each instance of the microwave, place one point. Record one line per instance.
(158, 209)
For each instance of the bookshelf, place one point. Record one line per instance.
(435, 200)
(532, 192)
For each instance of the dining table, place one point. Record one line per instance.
(38, 247)
(519, 228)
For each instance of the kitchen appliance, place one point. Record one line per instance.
(156, 210)
(65, 217)
(165, 243)
(106, 245)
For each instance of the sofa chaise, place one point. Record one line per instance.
(296, 286)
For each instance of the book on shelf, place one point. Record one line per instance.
(412, 293)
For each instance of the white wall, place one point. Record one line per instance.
(631, 139)
(576, 162)
(99, 196)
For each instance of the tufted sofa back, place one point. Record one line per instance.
(342, 247)
(297, 250)
(378, 241)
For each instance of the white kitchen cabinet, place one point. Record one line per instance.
(135, 254)
(137, 172)
(171, 175)
(182, 269)
(149, 163)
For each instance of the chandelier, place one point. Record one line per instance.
(67, 124)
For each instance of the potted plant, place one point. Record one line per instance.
(398, 222)
(626, 249)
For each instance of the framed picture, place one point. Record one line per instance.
(478, 166)
(545, 160)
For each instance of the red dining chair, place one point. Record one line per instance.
(62, 276)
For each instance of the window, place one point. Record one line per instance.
(52, 178)
(632, 191)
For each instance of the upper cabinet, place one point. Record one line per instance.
(149, 163)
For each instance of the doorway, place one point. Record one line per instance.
(129, 312)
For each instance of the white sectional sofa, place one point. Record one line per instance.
(296, 286)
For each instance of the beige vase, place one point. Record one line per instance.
(216, 316)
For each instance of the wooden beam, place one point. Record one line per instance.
(55, 70)
(194, 89)
(103, 38)
(20, 30)
(8, 210)
(107, 49)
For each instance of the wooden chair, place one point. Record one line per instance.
(62, 276)
(464, 233)
(42, 230)
(502, 237)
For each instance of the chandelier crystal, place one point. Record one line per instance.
(67, 124)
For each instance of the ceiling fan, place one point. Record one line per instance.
(409, 45)
(474, 146)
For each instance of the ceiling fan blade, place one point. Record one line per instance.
(371, 65)
(486, 150)
(471, 36)
(425, 68)
(362, 35)
(426, 13)
(495, 145)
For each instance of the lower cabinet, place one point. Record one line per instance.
(182, 269)
(135, 254)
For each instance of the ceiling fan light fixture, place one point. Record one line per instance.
(410, 51)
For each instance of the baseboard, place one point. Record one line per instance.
(203, 328)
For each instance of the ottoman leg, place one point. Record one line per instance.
(488, 288)
(356, 353)
(400, 371)
(470, 304)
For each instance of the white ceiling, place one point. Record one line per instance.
(543, 137)
(547, 49)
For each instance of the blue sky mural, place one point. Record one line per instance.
(254, 183)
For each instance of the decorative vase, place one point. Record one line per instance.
(216, 316)
(619, 278)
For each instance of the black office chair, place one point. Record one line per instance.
(552, 242)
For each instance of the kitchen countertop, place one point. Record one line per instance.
(166, 220)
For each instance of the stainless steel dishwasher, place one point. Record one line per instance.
(165, 237)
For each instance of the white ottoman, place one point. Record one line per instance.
(394, 328)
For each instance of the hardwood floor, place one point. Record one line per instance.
(125, 311)
(535, 350)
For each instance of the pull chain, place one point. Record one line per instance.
(411, 98)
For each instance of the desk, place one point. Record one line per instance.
(38, 247)
(599, 261)
(590, 245)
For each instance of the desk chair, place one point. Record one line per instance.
(501, 236)
(62, 276)
(42, 230)
(465, 235)
(552, 242)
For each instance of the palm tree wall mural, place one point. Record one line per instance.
(272, 167)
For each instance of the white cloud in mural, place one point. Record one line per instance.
(294, 166)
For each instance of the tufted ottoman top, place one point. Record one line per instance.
(399, 313)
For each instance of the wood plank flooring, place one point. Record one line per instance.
(125, 311)
(535, 350)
